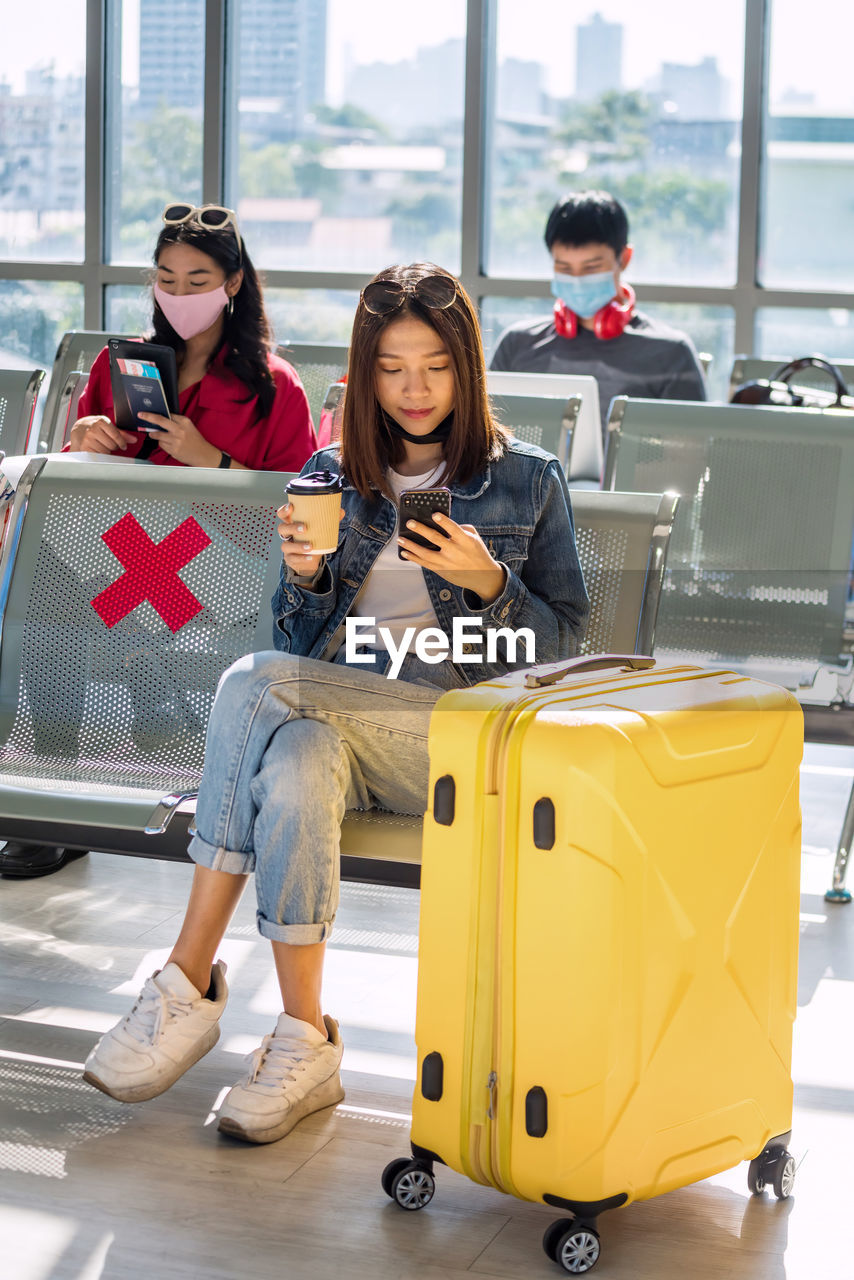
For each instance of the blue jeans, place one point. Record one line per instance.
(292, 744)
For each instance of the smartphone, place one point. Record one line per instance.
(420, 504)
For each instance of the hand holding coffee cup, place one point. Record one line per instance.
(309, 520)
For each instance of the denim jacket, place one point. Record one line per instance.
(519, 505)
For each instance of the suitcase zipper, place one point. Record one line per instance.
(490, 1087)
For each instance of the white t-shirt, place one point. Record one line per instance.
(394, 592)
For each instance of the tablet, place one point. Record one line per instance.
(141, 371)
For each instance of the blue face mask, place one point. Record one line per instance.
(585, 295)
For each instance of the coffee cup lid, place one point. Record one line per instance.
(316, 482)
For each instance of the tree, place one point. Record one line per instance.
(314, 180)
(162, 162)
(36, 315)
(269, 171)
(349, 116)
(425, 213)
(615, 126)
(690, 206)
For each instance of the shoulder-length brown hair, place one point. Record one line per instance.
(368, 447)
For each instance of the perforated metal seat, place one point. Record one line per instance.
(318, 365)
(68, 408)
(104, 695)
(19, 390)
(622, 541)
(547, 421)
(77, 350)
(128, 590)
(758, 566)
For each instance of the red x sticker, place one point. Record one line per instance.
(151, 572)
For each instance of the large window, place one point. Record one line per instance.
(348, 136)
(34, 314)
(128, 308)
(808, 194)
(803, 331)
(311, 315)
(155, 88)
(629, 98)
(345, 132)
(42, 158)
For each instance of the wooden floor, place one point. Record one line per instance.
(91, 1188)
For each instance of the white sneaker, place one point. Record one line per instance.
(294, 1072)
(169, 1028)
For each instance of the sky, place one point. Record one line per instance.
(812, 57)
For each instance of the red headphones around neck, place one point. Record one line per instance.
(608, 322)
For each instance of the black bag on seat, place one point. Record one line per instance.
(779, 391)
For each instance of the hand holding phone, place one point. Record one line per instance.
(462, 559)
(420, 505)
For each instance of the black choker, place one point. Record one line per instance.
(438, 434)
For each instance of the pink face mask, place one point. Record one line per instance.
(191, 313)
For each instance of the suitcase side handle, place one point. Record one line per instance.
(631, 661)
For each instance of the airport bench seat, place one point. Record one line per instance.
(103, 705)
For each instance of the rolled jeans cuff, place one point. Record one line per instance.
(296, 935)
(219, 859)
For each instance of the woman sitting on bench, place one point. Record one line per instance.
(240, 405)
(298, 736)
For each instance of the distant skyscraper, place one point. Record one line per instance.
(171, 53)
(425, 91)
(282, 54)
(693, 92)
(520, 88)
(598, 57)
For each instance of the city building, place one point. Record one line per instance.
(420, 92)
(171, 68)
(598, 58)
(281, 64)
(693, 92)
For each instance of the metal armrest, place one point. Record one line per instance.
(165, 811)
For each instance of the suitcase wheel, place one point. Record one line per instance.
(784, 1177)
(573, 1245)
(776, 1168)
(396, 1166)
(409, 1183)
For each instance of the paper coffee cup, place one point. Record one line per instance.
(316, 500)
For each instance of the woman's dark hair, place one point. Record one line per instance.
(588, 217)
(246, 327)
(368, 447)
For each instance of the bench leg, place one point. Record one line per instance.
(837, 892)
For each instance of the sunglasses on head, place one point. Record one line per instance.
(381, 297)
(212, 216)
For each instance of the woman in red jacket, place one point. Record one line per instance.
(239, 405)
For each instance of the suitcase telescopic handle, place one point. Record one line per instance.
(632, 661)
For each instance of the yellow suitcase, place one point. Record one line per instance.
(608, 941)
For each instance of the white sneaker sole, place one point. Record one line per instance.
(165, 1080)
(327, 1094)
